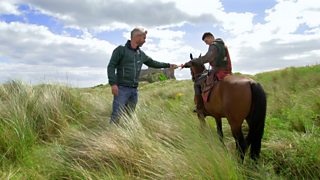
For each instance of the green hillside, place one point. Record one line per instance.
(57, 132)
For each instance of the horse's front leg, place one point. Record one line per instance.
(202, 120)
(219, 128)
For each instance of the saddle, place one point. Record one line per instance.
(207, 84)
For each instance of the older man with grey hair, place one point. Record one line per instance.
(124, 70)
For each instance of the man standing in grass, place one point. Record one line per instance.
(124, 70)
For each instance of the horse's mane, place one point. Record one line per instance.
(201, 68)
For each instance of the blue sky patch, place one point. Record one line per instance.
(114, 37)
(11, 18)
(254, 6)
(302, 29)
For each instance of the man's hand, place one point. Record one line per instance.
(173, 66)
(114, 90)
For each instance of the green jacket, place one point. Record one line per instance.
(125, 65)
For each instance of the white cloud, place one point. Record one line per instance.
(195, 8)
(37, 52)
(234, 23)
(288, 14)
(104, 14)
(276, 43)
(32, 44)
(8, 8)
(35, 74)
(289, 36)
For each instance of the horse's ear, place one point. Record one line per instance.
(200, 55)
(191, 56)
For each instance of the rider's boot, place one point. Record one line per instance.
(200, 106)
(195, 102)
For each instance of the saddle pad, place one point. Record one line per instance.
(206, 92)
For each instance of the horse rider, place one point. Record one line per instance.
(219, 59)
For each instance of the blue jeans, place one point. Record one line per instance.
(125, 102)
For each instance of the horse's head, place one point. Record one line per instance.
(196, 70)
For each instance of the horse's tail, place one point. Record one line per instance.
(256, 119)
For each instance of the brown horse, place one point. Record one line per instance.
(237, 99)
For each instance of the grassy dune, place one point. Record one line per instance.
(57, 132)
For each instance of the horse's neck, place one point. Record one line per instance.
(198, 71)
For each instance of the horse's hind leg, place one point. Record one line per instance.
(219, 128)
(240, 142)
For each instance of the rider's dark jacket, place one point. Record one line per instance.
(218, 57)
(215, 56)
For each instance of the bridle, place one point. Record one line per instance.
(197, 75)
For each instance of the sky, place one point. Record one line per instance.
(71, 41)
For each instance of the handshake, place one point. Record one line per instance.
(186, 65)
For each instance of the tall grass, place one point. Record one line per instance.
(57, 132)
(47, 133)
(153, 143)
(292, 135)
(31, 115)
